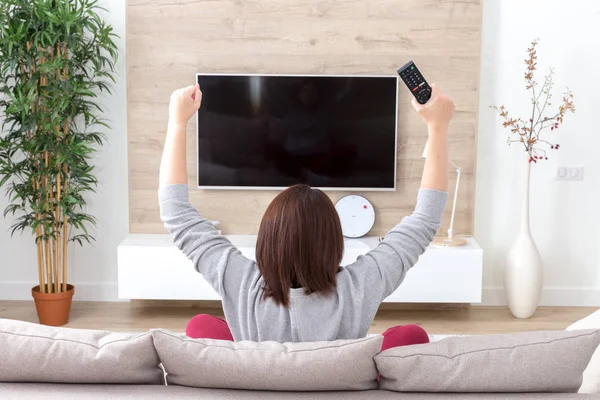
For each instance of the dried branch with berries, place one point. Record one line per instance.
(527, 131)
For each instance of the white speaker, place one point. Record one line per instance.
(357, 215)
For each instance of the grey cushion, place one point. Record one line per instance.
(521, 362)
(37, 353)
(313, 366)
(32, 391)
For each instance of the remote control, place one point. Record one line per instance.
(415, 82)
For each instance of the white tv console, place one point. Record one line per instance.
(151, 267)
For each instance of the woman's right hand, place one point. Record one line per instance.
(184, 103)
(438, 111)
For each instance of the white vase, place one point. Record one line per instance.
(523, 276)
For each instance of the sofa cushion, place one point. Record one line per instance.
(520, 362)
(591, 375)
(312, 366)
(37, 353)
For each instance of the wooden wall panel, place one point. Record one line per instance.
(169, 41)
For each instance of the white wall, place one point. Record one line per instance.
(93, 268)
(565, 216)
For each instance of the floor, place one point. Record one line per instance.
(141, 316)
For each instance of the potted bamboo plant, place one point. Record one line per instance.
(55, 56)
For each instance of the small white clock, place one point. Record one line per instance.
(357, 215)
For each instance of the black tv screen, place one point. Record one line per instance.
(273, 131)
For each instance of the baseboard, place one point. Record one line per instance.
(83, 291)
(551, 297)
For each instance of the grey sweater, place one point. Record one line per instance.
(347, 314)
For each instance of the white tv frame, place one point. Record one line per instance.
(280, 188)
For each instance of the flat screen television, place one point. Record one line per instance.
(273, 131)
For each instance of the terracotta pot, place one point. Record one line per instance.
(53, 308)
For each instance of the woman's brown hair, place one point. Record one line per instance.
(300, 244)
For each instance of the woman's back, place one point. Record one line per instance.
(345, 314)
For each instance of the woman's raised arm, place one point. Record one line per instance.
(183, 105)
(211, 254)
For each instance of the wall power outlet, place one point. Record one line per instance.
(572, 173)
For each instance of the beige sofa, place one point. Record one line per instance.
(43, 362)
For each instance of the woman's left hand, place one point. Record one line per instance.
(184, 103)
